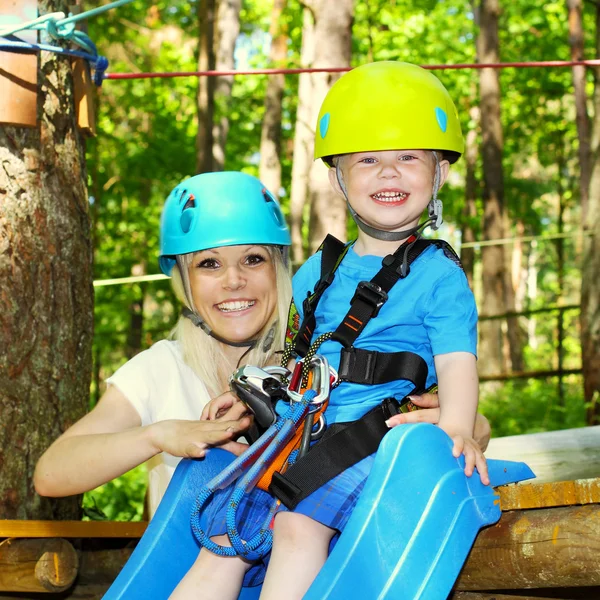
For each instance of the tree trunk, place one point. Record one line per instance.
(206, 86)
(46, 293)
(576, 43)
(333, 48)
(227, 29)
(590, 271)
(467, 255)
(498, 295)
(270, 142)
(303, 142)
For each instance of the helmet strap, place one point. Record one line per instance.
(378, 234)
(435, 206)
(198, 322)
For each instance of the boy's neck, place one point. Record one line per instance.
(367, 245)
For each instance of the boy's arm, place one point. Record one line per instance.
(459, 396)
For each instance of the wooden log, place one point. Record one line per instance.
(545, 548)
(546, 495)
(72, 529)
(493, 596)
(553, 455)
(48, 565)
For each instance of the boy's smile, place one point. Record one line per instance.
(390, 197)
(389, 189)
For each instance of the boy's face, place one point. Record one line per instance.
(389, 189)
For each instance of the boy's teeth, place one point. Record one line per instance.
(389, 196)
(236, 305)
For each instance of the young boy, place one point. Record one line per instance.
(389, 132)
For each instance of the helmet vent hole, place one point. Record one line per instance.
(266, 195)
(190, 203)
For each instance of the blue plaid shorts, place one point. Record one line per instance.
(332, 504)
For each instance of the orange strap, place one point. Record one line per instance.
(280, 462)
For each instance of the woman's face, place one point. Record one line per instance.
(234, 290)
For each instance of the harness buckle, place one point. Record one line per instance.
(372, 294)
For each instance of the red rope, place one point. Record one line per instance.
(547, 63)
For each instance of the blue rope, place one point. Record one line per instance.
(99, 63)
(261, 454)
(58, 28)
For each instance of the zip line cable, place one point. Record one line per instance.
(499, 242)
(532, 64)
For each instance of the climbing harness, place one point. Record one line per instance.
(275, 449)
(345, 444)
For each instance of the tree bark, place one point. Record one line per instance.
(590, 271)
(227, 29)
(576, 43)
(333, 48)
(498, 294)
(270, 142)
(467, 255)
(206, 86)
(46, 293)
(303, 142)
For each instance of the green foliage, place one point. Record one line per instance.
(146, 144)
(119, 500)
(534, 405)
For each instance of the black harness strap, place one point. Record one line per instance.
(370, 296)
(342, 446)
(332, 253)
(370, 367)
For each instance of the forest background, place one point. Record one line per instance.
(515, 207)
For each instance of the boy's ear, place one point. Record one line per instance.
(333, 180)
(444, 170)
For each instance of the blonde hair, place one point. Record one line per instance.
(203, 353)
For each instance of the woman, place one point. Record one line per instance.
(224, 242)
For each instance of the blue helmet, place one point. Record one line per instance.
(219, 209)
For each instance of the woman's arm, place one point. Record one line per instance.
(110, 441)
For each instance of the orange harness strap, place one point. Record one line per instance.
(280, 463)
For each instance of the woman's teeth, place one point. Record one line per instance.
(236, 305)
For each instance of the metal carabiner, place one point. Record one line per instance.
(322, 381)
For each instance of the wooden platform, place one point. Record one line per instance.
(547, 539)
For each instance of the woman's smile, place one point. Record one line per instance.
(235, 307)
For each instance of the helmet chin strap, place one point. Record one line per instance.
(198, 322)
(434, 210)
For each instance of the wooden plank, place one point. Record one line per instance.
(72, 529)
(19, 70)
(553, 455)
(546, 495)
(491, 596)
(543, 548)
(48, 565)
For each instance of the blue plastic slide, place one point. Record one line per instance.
(408, 537)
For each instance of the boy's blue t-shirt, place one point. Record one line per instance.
(432, 311)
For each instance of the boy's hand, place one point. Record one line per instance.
(219, 406)
(473, 456)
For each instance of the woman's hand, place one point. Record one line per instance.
(219, 406)
(191, 439)
(430, 413)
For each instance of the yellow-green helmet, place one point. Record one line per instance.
(388, 105)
